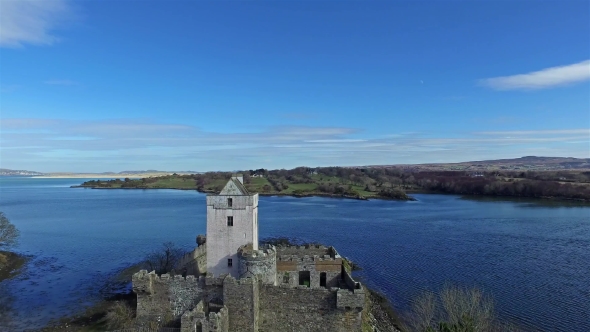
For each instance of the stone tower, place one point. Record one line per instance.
(232, 221)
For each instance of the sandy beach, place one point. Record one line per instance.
(98, 176)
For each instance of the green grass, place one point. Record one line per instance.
(170, 182)
(300, 187)
(256, 184)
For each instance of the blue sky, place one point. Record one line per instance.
(92, 86)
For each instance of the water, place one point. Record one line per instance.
(533, 258)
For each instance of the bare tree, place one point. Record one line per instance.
(422, 316)
(8, 233)
(461, 304)
(454, 309)
(164, 259)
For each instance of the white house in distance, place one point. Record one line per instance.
(232, 221)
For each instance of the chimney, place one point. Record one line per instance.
(239, 177)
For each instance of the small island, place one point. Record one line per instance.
(383, 182)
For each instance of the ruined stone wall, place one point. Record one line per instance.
(194, 262)
(165, 296)
(168, 297)
(241, 297)
(292, 260)
(208, 322)
(304, 309)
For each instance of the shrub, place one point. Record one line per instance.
(8, 233)
(119, 315)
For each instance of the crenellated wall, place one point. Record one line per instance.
(165, 295)
(225, 304)
(318, 260)
(168, 297)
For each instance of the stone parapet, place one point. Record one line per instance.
(309, 250)
(350, 299)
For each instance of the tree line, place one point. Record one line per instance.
(391, 182)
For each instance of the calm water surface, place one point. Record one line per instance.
(534, 259)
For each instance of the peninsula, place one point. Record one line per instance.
(556, 181)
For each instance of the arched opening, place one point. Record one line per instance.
(323, 279)
(199, 327)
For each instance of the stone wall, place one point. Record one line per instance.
(241, 297)
(169, 297)
(261, 263)
(292, 260)
(309, 250)
(165, 296)
(208, 321)
(304, 309)
(194, 262)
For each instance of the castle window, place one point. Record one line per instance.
(323, 279)
(229, 262)
(230, 202)
(230, 221)
(304, 278)
(286, 279)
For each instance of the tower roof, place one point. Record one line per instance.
(234, 187)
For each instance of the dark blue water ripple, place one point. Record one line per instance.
(534, 259)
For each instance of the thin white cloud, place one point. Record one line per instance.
(61, 82)
(62, 145)
(344, 140)
(31, 21)
(538, 132)
(542, 79)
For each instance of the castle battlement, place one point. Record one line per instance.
(244, 281)
(144, 276)
(306, 258)
(307, 250)
(263, 252)
(350, 298)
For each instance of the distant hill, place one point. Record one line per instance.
(527, 163)
(123, 174)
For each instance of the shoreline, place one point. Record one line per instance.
(96, 176)
(11, 263)
(362, 198)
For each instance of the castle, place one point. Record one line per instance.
(230, 283)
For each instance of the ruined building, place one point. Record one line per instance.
(230, 283)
